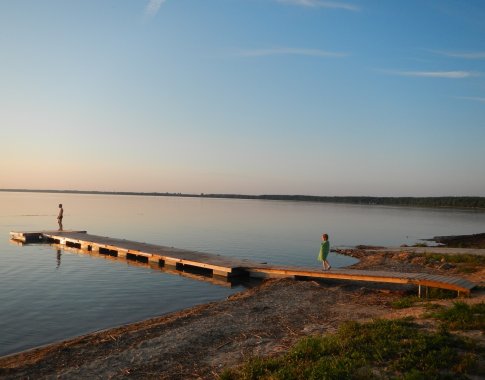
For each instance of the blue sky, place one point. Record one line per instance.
(244, 96)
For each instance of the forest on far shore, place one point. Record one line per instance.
(451, 202)
(454, 202)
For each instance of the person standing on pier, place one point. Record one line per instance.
(60, 216)
(324, 250)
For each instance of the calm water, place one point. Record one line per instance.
(48, 295)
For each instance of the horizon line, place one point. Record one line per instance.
(202, 194)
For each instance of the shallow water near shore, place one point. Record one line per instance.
(49, 294)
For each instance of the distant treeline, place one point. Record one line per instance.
(454, 202)
(451, 202)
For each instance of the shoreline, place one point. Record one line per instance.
(201, 341)
(471, 203)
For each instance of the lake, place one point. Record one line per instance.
(49, 295)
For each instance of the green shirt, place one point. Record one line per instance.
(324, 249)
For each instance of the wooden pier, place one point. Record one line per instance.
(144, 252)
(175, 260)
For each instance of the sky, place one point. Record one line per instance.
(313, 97)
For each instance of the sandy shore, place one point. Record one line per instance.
(199, 342)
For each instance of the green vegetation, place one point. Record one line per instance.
(455, 259)
(453, 202)
(433, 294)
(440, 294)
(420, 245)
(465, 263)
(405, 302)
(462, 316)
(467, 269)
(377, 350)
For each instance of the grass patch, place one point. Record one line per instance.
(405, 302)
(381, 349)
(420, 245)
(454, 258)
(433, 294)
(440, 294)
(467, 269)
(433, 306)
(462, 316)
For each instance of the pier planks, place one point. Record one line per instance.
(424, 279)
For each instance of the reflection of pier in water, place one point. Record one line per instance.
(201, 265)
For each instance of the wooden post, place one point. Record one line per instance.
(419, 291)
(122, 253)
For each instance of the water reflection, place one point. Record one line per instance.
(58, 258)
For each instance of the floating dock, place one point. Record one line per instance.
(175, 260)
(144, 252)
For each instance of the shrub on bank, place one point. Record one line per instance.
(462, 316)
(381, 349)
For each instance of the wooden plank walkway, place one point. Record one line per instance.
(180, 259)
(420, 279)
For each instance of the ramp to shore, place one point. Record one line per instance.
(220, 266)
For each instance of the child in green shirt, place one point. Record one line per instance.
(324, 250)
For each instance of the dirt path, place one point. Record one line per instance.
(199, 342)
